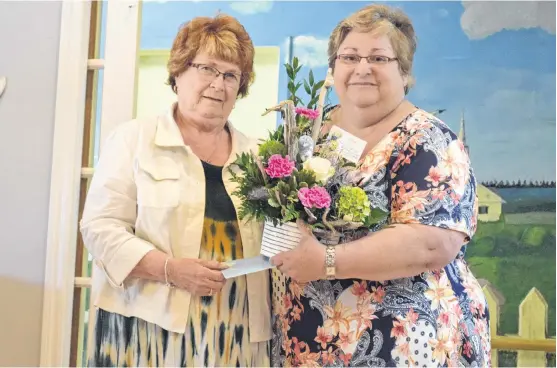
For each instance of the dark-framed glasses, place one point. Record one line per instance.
(210, 73)
(353, 59)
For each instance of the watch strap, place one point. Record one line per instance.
(330, 262)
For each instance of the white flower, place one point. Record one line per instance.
(321, 167)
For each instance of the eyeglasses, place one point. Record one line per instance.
(352, 59)
(210, 73)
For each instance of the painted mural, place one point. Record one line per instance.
(488, 70)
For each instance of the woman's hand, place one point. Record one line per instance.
(304, 263)
(199, 277)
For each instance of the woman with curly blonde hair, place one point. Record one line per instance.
(400, 293)
(160, 220)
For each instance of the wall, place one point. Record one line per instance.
(29, 37)
(153, 95)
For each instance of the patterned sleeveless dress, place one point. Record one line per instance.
(420, 173)
(217, 333)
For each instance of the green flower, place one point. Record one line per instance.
(353, 204)
(270, 148)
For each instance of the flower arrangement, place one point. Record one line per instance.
(298, 173)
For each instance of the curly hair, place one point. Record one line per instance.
(222, 37)
(384, 20)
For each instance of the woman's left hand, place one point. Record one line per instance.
(304, 263)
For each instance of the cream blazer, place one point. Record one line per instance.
(148, 192)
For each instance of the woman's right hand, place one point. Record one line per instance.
(199, 277)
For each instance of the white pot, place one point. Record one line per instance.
(281, 238)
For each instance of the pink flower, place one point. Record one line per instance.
(314, 197)
(308, 113)
(279, 167)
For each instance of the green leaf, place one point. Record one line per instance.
(272, 147)
(313, 102)
(306, 177)
(317, 86)
(295, 62)
(307, 87)
(289, 71)
(273, 202)
(377, 215)
(291, 87)
(298, 86)
(311, 77)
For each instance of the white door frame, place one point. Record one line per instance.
(119, 85)
(121, 56)
(64, 183)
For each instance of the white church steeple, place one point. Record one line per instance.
(462, 133)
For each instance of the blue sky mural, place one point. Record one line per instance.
(493, 60)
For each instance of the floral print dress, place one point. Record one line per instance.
(420, 173)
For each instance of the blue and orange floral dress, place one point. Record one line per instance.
(420, 173)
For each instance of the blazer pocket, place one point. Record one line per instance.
(158, 183)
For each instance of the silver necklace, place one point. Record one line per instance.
(209, 158)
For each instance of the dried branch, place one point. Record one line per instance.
(322, 95)
(312, 218)
(346, 225)
(262, 169)
(286, 108)
(327, 223)
(277, 195)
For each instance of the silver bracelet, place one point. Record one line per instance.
(166, 274)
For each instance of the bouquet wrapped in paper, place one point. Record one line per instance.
(299, 173)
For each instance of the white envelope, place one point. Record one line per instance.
(276, 239)
(246, 266)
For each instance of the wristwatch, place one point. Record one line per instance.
(330, 266)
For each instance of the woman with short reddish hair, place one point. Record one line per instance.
(161, 222)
